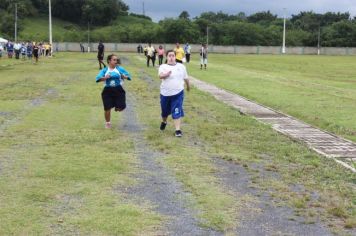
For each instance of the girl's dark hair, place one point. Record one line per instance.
(109, 59)
(169, 52)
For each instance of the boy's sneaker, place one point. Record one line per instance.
(163, 125)
(178, 133)
(108, 125)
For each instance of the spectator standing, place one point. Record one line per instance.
(179, 53)
(81, 47)
(17, 48)
(29, 51)
(1, 50)
(41, 49)
(47, 47)
(101, 50)
(23, 51)
(10, 49)
(145, 50)
(151, 55)
(139, 49)
(36, 52)
(203, 56)
(160, 54)
(187, 50)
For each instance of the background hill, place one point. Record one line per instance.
(111, 21)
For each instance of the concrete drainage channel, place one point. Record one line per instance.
(324, 143)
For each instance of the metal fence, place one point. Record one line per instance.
(132, 47)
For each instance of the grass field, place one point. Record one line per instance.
(318, 90)
(61, 172)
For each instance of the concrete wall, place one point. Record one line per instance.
(132, 47)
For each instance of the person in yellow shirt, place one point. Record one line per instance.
(179, 53)
(151, 55)
(46, 46)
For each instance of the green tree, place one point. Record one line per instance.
(264, 17)
(340, 34)
(179, 30)
(184, 15)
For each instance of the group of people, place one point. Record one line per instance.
(151, 54)
(182, 54)
(25, 50)
(173, 75)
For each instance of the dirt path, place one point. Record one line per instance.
(263, 217)
(158, 186)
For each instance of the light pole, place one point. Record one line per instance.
(284, 32)
(50, 26)
(15, 22)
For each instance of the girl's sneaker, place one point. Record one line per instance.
(108, 125)
(163, 125)
(178, 133)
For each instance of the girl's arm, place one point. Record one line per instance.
(186, 81)
(101, 76)
(165, 75)
(124, 73)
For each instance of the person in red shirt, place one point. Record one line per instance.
(160, 54)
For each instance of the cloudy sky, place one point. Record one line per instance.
(159, 9)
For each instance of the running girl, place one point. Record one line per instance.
(113, 95)
(173, 76)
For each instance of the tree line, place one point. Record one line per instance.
(261, 28)
(96, 12)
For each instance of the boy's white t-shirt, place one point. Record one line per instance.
(173, 84)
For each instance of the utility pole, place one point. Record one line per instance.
(207, 35)
(15, 22)
(50, 25)
(319, 40)
(284, 32)
(88, 36)
(143, 8)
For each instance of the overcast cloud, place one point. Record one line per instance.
(159, 9)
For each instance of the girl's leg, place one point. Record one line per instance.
(107, 115)
(107, 119)
(163, 123)
(177, 123)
